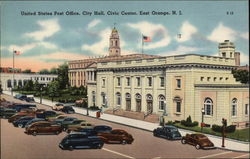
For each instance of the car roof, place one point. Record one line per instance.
(41, 122)
(170, 126)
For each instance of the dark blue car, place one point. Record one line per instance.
(168, 131)
(80, 140)
(22, 121)
(18, 107)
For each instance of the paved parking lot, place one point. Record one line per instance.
(15, 144)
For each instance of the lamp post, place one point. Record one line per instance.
(224, 124)
(87, 108)
(202, 118)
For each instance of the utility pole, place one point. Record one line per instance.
(224, 124)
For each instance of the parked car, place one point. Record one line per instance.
(16, 117)
(30, 99)
(20, 96)
(22, 121)
(64, 120)
(27, 111)
(168, 131)
(102, 128)
(58, 106)
(198, 140)
(43, 127)
(47, 114)
(68, 110)
(7, 112)
(81, 125)
(80, 140)
(18, 107)
(86, 131)
(116, 136)
(76, 123)
(33, 121)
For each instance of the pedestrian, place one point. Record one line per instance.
(101, 110)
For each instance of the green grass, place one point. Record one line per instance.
(242, 135)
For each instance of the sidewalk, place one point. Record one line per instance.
(230, 144)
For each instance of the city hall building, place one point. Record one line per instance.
(172, 87)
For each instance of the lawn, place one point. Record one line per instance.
(242, 134)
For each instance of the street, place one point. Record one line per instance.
(16, 144)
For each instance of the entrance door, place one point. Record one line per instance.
(149, 106)
(138, 105)
(128, 104)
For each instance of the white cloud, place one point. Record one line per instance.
(99, 48)
(48, 28)
(181, 50)
(22, 48)
(63, 56)
(186, 31)
(47, 45)
(244, 58)
(245, 35)
(150, 29)
(93, 23)
(221, 33)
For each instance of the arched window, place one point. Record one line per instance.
(149, 97)
(234, 107)
(9, 83)
(118, 99)
(208, 106)
(161, 102)
(103, 98)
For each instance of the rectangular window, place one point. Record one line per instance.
(208, 78)
(150, 81)
(178, 81)
(118, 81)
(178, 106)
(246, 109)
(128, 81)
(103, 82)
(162, 82)
(138, 81)
(233, 110)
(215, 78)
(202, 78)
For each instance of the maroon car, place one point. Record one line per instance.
(198, 140)
(116, 136)
(43, 127)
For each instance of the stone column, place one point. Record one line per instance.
(143, 94)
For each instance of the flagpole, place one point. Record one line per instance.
(142, 43)
(13, 69)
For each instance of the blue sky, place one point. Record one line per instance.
(49, 40)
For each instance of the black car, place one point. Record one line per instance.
(29, 99)
(22, 121)
(78, 140)
(21, 97)
(64, 120)
(7, 112)
(86, 131)
(168, 131)
(102, 128)
(33, 121)
(18, 107)
(46, 114)
(68, 109)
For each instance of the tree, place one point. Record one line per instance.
(44, 71)
(29, 85)
(27, 71)
(63, 78)
(241, 75)
(53, 71)
(53, 89)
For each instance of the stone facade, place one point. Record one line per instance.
(21, 78)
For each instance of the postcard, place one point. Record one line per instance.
(124, 79)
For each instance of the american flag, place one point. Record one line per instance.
(146, 39)
(17, 52)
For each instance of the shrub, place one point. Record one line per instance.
(170, 123)
(229, 129)
(188, 122)
(94, 108)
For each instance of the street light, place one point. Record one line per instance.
(87, 108)
(202, 118)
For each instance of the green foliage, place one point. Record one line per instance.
(94, 108)
(63, 78)
(29, 86)
(241, 75)
(44, 71)
(170, 123)
(53, 89)
(53, 71)
(27, 71)
(188, 122)
(229, 129)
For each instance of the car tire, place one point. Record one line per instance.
(183, 141)
(34, 133)
(155, 134)
(57, 132)
(68, 131)
(71, 148)
(99, 146)
(197, 146)
(124, 142)
(20, 125)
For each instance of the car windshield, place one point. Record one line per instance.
(202, 137)
(173, 130)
